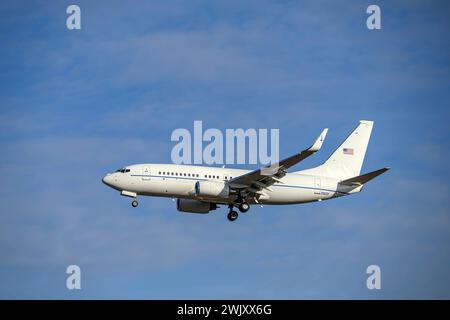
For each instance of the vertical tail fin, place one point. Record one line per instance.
(347, 159)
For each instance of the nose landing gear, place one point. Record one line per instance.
(134, 203)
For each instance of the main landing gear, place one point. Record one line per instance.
(134, 203)
(233, 215)
(244, 207)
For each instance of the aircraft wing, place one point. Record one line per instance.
(253, 182)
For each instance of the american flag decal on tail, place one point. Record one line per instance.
(348, 151)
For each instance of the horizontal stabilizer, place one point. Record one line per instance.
(362, 179)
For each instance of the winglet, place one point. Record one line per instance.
(319, 141)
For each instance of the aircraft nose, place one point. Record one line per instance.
(107, 180)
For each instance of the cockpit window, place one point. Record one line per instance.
(123, 170)
(127, 170)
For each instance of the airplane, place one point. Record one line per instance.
(201, 189)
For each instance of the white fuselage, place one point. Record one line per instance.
(178, 181)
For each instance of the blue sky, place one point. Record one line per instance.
(77, 104)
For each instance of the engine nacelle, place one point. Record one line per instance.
(211, 189)
(195, 206)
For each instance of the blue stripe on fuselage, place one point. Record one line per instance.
(275, 185)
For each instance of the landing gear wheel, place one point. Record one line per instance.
(232, 215)
(244, 207)
(134, 203)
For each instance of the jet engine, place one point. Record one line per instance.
(195, 206)
(211, 189)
